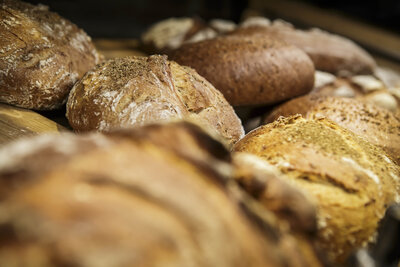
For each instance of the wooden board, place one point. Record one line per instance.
(17, 122)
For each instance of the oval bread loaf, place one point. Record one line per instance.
(250, 70)
(329, 52)
(377, 125)
(351, 180)
(133, 91)
(42, 55)
(153, 196)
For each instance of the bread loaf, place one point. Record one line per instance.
(287, 210)
(153, 196)
(169, 34)
(329, 52)
(249, 70)
(377, 125)
(366, 88)
(133, 91)
(351, 180)
(42, 55)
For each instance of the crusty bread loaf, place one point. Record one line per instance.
(170, 33)
(366, 88)
(329, 52)
(351, 180)
(133, 91)
(291, 214)
(153, 196)
(250, 70)
(377, 125)
(41, 56)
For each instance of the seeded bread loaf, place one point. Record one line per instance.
(250, 70)
(153, 196)
(351, 180)
(133, 91)
(329, 52)
(42, 55)
(377, 125)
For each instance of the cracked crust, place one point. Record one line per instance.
(41, 56)
(134, 91)
(377, 125)
(351, 180)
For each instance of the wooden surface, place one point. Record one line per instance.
(18, 122)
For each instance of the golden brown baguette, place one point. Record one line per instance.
(42, 55)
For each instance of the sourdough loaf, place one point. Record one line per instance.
(377, 125)
(42, 55)
(329, 52)
(132, 91)
(153, 196)
(366, 88)
(250, 70)
(351, 180)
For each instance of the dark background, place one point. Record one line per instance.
(128, 18)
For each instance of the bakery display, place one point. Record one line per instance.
(250, 70)
(93, 200)
(132, 91)
(42, 55)
(157, 169)
(329, 52)
(351, 180)
(377, 125)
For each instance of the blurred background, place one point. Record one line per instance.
(129, 18)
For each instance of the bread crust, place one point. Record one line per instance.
(134, 91)
(351, 180)
(329, 52)
(377, 125)
(250, 70)
(42, 55)
(126, 198)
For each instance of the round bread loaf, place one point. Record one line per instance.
(366, 88)
(250, 70)
(170, 33)
(133, 91)
(42, 55)
(153, 196)
(329, 52)
(351, 180)
(377, 125)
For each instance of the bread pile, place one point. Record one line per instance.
(137, 186)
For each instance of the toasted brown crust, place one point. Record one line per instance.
(377, 125)
(329, 52)
(351, 180)
(133, 91)
(250, 70)
(41, 56)
(127, 198)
